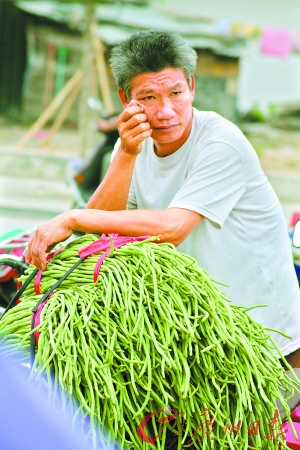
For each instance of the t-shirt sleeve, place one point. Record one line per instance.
(214, 183)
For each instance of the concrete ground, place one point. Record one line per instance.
(34, 192)
(25, 203)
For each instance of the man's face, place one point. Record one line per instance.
(167, 102)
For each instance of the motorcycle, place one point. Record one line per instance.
(12, 264)
(84, 175)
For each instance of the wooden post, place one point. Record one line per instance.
(56, 102)
(62, 114)
(86, 117)
(49, 81)
(102, 70)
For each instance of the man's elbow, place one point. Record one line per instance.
(174, 236)
(177, 225)
(175, 240)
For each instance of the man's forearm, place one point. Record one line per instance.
(112, 194)
(172, 225)
(127, 222)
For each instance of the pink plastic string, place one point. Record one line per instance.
(98, 246)
(38, 278)
(37, 282)
(99, 264)
(104, 245)
(38, 321)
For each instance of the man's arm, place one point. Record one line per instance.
(112, 194)
(173, 225)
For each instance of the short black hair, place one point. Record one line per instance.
(150, 51)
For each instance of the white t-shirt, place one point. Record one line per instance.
(243, 242)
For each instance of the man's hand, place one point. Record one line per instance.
(47, 235)
(133, 128)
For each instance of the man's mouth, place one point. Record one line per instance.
(165, 128)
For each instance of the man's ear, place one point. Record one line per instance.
(192, 86)
(123, 97)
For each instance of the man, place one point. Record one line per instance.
(192, 178)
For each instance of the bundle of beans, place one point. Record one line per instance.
(153, 338)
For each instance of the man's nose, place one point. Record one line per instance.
(165, 109)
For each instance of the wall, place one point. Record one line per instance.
(268, 80)
(41, 75)
(12, 58)
(216, 84)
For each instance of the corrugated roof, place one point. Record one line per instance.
(118, 21)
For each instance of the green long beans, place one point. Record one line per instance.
(154, 330)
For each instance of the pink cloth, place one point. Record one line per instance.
(277, 42)
(296, 414)
(295, 217)
(291, 441)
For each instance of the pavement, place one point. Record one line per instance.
(19, 210)
(287, 188)
(33, 186)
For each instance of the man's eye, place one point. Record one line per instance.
(149, 97)
(175, 93)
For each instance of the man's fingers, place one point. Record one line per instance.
(37, 248)
(132, 141)
(46, 236)
(133, 130)
(139, 136)
(130, 111)
(134, 102)
(31, 246)
(136, 120)
(38, 254)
